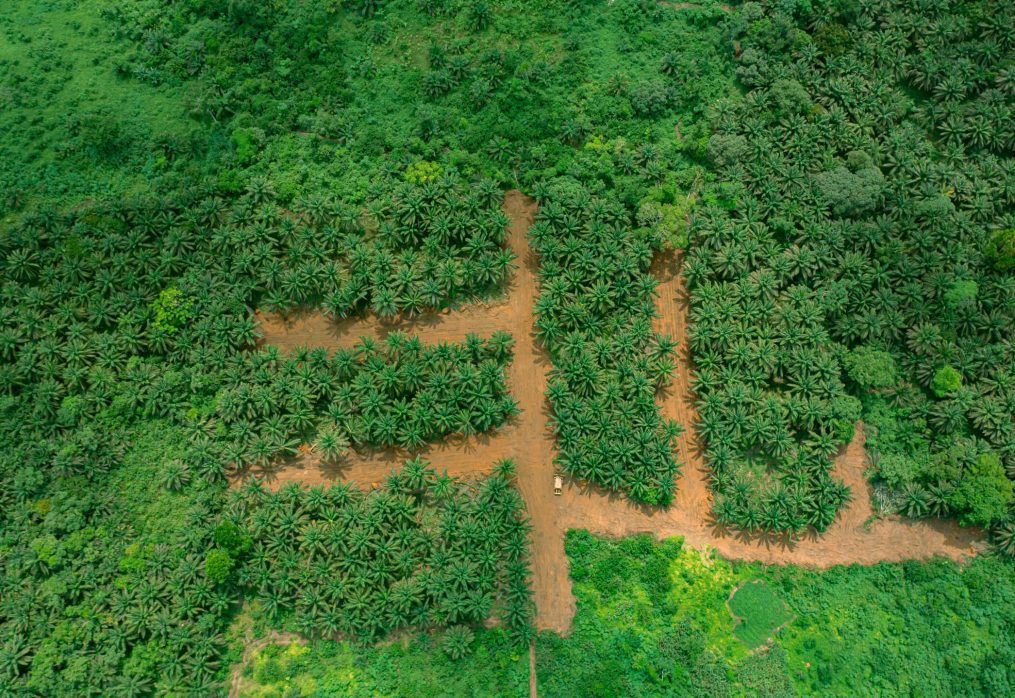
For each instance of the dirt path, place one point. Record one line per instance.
(315, 329)
(528, 441)
(846, 541)
(460, 456)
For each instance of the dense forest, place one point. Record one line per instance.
(838, 176)
(867, 256)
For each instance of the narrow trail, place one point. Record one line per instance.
(528, 441)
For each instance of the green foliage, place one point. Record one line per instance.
(947, 381)
(851, 193)
(594, 314)
(788, 97)
(871, 368)
(230, 538)
(172, 311)
(962, 292)
(400, 392)
(457, 641)
(422, 172)
(245, 142)
(416, 668)
(985, 494)
(168, 167)
(760, 613)
(725, 150)
(109, 547)
(887, 629)
(864, 226)
(897, 470)
(217, 565)
(1001, 249)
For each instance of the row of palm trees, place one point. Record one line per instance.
(399, 392)
(594, 315)
(425, 550)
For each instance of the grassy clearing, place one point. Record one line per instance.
(760, 613)
(69, 126)
(416, 668)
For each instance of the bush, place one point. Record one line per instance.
(985, 493)
(896, 469)
(172, 310)
(871, 368)
(1001, 249)
(217, 565)
(962, 292)
(228, 536)
(850, 193)
(946, 382)
(725, 150)
(789, 97)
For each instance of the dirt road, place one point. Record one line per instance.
(531, 445)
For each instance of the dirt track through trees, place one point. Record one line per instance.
(528, 441)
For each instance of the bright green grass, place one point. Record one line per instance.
(59, 91)
(417, 668)
(759, 612)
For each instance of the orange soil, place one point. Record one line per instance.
(530, 444)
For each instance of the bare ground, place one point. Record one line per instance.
(528, 441)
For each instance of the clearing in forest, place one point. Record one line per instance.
(759, 613)
(855, 537)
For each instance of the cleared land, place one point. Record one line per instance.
(528, 441)
(759, 612)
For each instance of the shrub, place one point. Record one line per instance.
(946, 382)
(871, 368)
(896, 469)
(849, 193)
(985, 493)
(789, 97)
(172, 310)
(422, 172)
(217, 565)
(245, 142)
(962, 292)
(725, 150)
(228, 536)
(1001, 249)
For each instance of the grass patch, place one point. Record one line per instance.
(759, 613)
(414, 668)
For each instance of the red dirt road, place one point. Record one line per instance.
(528, 441)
